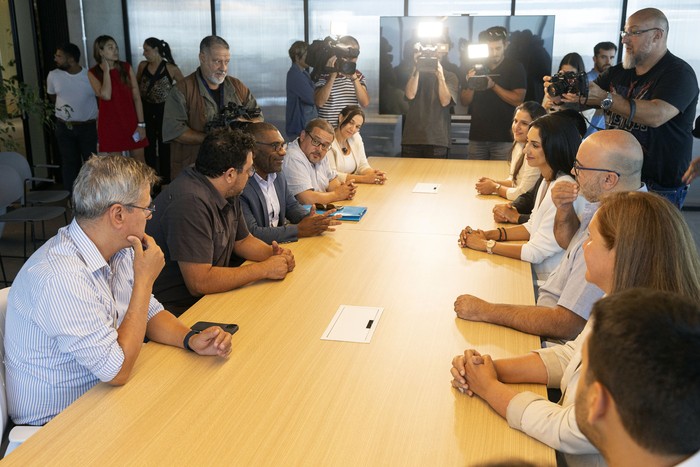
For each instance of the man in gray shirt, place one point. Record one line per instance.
(607, 161)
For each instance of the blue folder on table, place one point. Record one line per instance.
(347, 213)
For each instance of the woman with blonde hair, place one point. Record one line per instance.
(628, 246)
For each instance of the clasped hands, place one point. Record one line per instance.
(485, 186)
(473, 373)
(473, 239)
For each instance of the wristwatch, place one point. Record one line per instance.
(489, 246)
(498, 187)
(606, 103)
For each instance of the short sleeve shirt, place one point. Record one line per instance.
(302, 174)
(195, 224)
(667, 148)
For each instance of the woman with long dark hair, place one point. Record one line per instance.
(156, 76)
(552, 143)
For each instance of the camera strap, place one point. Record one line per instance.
(218, 95)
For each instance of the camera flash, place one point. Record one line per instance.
(429, 29)
(478, 51)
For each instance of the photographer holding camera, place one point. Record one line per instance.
(341, 83)
(205, 95)
(430, 91)
(492, 106)
(652, 94)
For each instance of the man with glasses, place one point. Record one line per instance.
(271, 212)
(81, 306)
(492, 108)
(310, 176)
(653, 95)
(199, 224)
(607, 161)
(198, 99)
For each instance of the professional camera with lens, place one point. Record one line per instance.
(480, 81)
(429, 55)
(234, 116)
(320, 51)
(568, 82)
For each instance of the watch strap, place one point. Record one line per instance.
(186, 340)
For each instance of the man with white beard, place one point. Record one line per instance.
(198, 99)
(653, 95)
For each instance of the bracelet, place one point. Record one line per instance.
(500, 234)
(141, 125)
(505, 234)
(186, 341)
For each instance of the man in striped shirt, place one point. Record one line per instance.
(336, 90)
(81, 306)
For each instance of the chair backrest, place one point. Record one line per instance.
(18, 162)
(3, 398)
(11, 185)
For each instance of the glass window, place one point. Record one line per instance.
(578, 26)
(379, 133)
(259, 48)
(181, 28)
(433, 8)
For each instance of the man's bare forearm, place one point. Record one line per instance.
(557, 322)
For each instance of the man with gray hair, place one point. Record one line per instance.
(199, 98)
(81, 306)
(607, 161)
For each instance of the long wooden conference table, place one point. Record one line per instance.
(286, 397)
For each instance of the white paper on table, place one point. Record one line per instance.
(426, 188)
(353, 324)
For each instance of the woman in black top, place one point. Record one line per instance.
(156, 75)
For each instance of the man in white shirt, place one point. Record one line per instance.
(638, 399)
(76, 111)
(81, 306)
(308, 171)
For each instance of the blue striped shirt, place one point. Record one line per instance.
(63, 312)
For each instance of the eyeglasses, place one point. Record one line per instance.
(326, 207)
(578, 167)
(149, 210)
(624, 34)
(318, 143)
(276, 146)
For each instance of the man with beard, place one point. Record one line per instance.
(492, 108)
(311, 178)
(76, 111)
(607, 161)
(653, 95)
(198, 222)
(638, 399)
(271, 212)
(198, 99)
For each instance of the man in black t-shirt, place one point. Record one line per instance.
(492, 109)
(653, 95)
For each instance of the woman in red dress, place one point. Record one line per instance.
(120, 125)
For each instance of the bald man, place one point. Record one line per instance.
(606, 162)
(653, 95)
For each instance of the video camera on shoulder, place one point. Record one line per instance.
(234, 116)
(429, 55)
(568, 82)
(320, 51)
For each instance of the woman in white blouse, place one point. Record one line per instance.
(347, 155)
(552, 142)
(522, 176)
(625, 225)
